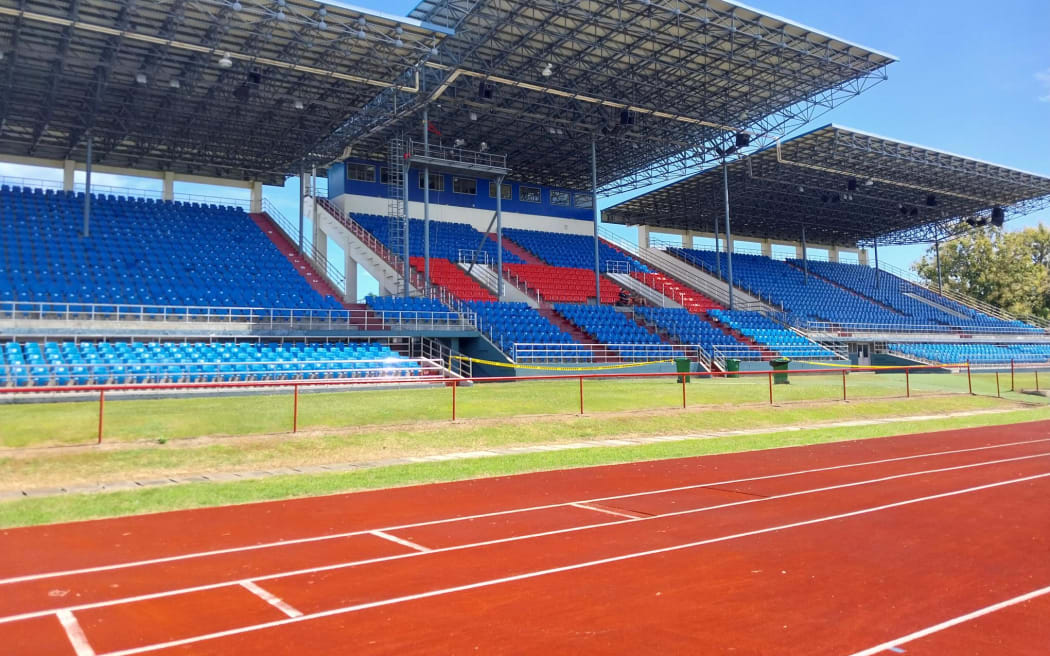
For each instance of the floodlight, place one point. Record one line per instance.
(459, 143)
(547, 70)
(141, 78)
(484, 147)
(236, 6)
(298, 104)
(473, 116)
(225, 61)
(174, 84)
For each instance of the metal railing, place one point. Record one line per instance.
(809, 328)
(529, 353)
(472, 256)
(127, 192)
(761, 352)
(458, 155)
(36, 374)
(358, 319)
(320, 263)
(433, 350)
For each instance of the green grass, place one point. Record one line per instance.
(73, 507)
(171, 419)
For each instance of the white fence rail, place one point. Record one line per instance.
(606, 353)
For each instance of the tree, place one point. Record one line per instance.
(1007, 269)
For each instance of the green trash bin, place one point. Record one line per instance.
(732, 364)
(682, 367)
(780, 369)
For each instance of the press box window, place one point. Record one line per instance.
(384, 175)
(465, 186)
(361, 172)
(529, 194)
(505, 191)
(559, 198)
(584, 201)
(437, 182)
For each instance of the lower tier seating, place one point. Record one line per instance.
(975, 353)
(507, 324)
(563, 285)
(610, 327)
(119, 363)
(767, 332)
(686, 327)
(411, 309)
(447, 274)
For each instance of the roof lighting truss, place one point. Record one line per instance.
(846, 188)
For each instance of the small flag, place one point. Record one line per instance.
(432, 129)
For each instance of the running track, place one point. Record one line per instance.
(925, 544)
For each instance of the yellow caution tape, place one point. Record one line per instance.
(879, 366)
(513, 365)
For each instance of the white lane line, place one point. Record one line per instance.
(962, 619)
(271, 599)
(603, 510)
(567, 568)
(516, 538)
(401, 541)
(75, 633)
(335, 536)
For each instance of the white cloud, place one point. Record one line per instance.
(1043, 77)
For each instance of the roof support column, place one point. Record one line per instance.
(937, 250)
(87, 186)
(69, 168)
(256, 202)
(499, 238)
(718, 252)
(302, 199)
(406, 270)
(596, 214)
(168, 188)
(729, 231)
(876, 263)
(426, 203)
(805, 257)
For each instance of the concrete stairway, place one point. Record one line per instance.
(291, 252)
(599, 350)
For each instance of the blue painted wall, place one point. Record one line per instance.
(338, 184)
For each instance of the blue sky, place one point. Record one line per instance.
(973, 79)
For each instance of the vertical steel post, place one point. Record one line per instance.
(454, 386)
(426, 202)
(406, 270)
(729, 231)
(998, 393)
(87, 185)
(1012, 387)
(969, 379)
(805, 258)
(718, 250)
(499, 238)
(595, 214)
(581, 395)
(876, 263)
(101, 411)
(770, 387)
(907, 383)
(843, 384)
(302, 199)
(683, 391)
(937, 250)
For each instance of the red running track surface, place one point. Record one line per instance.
(931, 544)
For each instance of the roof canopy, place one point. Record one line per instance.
(657, 85)
(846, 187)
(195, 86)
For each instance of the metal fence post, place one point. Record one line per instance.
(843, 384)
(295, 408)
(1012, 388)
(683, 391)
(969, 378)
(581, 395)
(454, 386)
(101, 410)
(998, 394)
(907, 383)
(770, 387)
(1037, 379)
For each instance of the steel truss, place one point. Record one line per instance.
(806, 181)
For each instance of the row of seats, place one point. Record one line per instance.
(764, 330)
(781, 284)
(572, 251)
(975, 353)
(88, 363)
(685, 296)
(411, 309)
(447, 274)
(564, 285)
(900, 295)
(141, 252)
(686, 327)
(508, 324)
(447, 239)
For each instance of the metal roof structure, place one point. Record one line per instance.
(658, 85)
(846, 187)
(236, 89)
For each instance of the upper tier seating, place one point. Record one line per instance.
(687, 328)
(574, 251)
(447, 239)
(765, 331)
(608, 326)
(447, 274)
(892, 289)
(975, 353)
(688, 298)
(784, 285)
(90, 363)
(508, 324)
(141, 252)
(559, 284)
